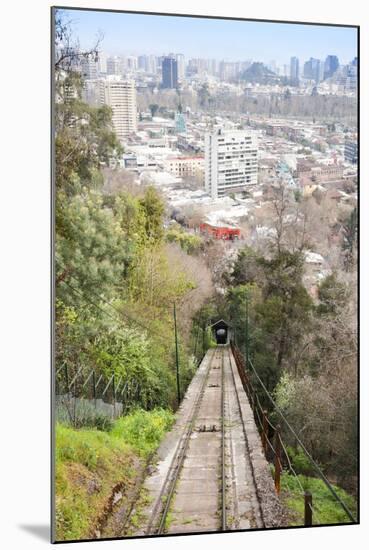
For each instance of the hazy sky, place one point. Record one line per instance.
(212, 38)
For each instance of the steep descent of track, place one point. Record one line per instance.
(205, 479)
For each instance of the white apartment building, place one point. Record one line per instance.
(120, 95)
(231, 161)
(181, 66)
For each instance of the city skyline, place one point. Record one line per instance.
(265, 41)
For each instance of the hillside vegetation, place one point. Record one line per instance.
(91, 465)
(118, 274)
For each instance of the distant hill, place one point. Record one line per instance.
(258, 72)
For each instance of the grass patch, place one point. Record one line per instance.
(143, 430)
(90, 462)
(326, 508)
(88, 465)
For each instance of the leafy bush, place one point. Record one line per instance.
(143, 430)
(326, 509)
(189, 243)
(300, 462)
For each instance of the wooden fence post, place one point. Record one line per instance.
(308, 501)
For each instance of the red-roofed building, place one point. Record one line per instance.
(220, 232)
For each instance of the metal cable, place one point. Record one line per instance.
(290, 467)
(315, 465)
(270, 445)
(257, 414)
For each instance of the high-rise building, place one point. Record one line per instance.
(152, 64)
(180, 123)
(228, 70)
(181, 66)
(89, 68)
(91, 92)
(231, 163)
(114, 65)
(102, 63)
(294, 71)
(312, 69)
(120, 95)
(321, 71)
(169, 73)
(330, 66)
(131, 63)
(143, 62)
(351, 151)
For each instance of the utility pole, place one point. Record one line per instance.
(177, 358)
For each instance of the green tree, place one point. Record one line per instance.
(153, 208)
(349, 241)
(332, 295)
(91, 254)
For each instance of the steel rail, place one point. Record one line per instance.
(177, 461)
(224, 488)
(230, 355)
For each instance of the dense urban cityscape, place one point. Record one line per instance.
(216, 165)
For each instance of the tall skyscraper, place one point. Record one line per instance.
(181, 66)
(120, 95)
(102, 63)
(114, 65)
(169, 73)
(131, 63)
(152, 64)
(330, 66)
(231, 163)
(294, 71)
(143, 62)
(312, 69)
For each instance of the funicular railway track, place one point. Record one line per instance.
(200, 491)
